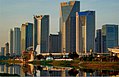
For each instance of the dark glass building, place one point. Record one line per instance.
(85, 31)
(98, 41)
(54, 43)
(68, 25)
(26, 36)
(109, 37)
(41, 34)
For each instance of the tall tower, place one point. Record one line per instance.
(109, 37)
(23, 37)
(54, 43)
(98, 41)
(29, 35)
(85, 31)
(26, 36)
(68, 25)
(41, 33)
(6, 48)
(2, 51)
(11, 41)
(17, 41)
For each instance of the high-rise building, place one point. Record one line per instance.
(11, 41)
(98, 41)
(54, 43)
(109, 37)
(2, 51)
(6, 49)
(26, 36)
(85, 31)
(41, 33)
(29, 35)
(68, 25)
(17, 41)
(23, 37)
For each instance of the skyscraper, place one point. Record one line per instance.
(54, 43)
(17, 41)
(85, 31)
(2, 51)
(11, 41)
(109, 37)
(68, 25)
(98, 41)
(41, 33)
(29, 35)
(26, 36)
(6, 49)
(23, 37)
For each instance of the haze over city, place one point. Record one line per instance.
(16, 12)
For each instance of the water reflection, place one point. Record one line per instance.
(39, 71)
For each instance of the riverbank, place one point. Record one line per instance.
(11, 61)
(74, 63)
(99, 65)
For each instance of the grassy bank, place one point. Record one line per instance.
(10, 61)
(75, 64)
(38, 62)
(99, 65)
(56, 63)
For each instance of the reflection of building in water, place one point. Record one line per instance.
(27, 70)
(85, 74)
(2, 68)
(38, 71)
(11, 69)
(63, 73)
(54, 71)
(6, 69)
(88, 73)
(17, 69)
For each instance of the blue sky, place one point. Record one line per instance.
(13, 13)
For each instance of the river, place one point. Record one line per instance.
(24, 70)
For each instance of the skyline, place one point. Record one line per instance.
(11, 17)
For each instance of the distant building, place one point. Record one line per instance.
(23, 37)
(41, 33)
(17, 41)
(6, 49)
(26, 36)
(85, 31)
(2, 51)
(109, 37)
(98, 41)
(29, 35)
(11, 41)
(54, 43)
(68, 25)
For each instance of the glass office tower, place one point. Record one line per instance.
(109, 37)
(17, 41)
(85, 31)
(41, 33)
(26, 36)
(68, 25)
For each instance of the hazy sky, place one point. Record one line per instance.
(15, 12)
